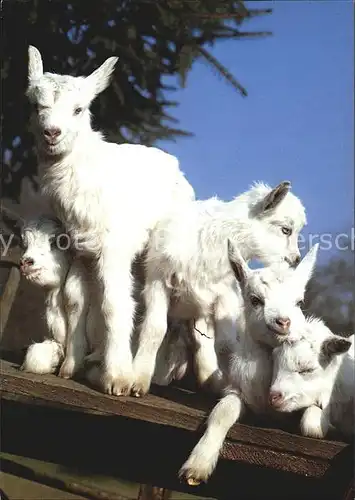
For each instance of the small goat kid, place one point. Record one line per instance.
(67, 301)
(188, 275)
(272, 298)
(108, 196)
(317, 372)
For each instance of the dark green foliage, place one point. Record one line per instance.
(153, 39)
(330, 294)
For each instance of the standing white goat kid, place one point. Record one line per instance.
(188, 275)
(316, 371)
(272, 298)
(108, 196)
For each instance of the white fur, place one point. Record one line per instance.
(43, 357)
(250, 369)
(188, 275)
(316, 372)
(67, 298)
(108, 196)
(73, 313)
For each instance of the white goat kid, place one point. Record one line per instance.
(110, 219)
(272, 297)
(44, 265)
(188, 275)
(316, 372)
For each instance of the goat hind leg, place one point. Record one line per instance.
(152, 333)
(207, 370)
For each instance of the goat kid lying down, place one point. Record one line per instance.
(72, 311)
(272, 298)
(188, 275)
(316, 371)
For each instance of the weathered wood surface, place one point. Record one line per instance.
(272, 448)
(148, 492)
(91, 486)
(8, 292)
(147, 440)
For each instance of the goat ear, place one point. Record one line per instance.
(35, 64)
(305, 268)
(335, 345)
(237, 263)
(101, 77)
(275, 196)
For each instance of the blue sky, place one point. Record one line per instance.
(296, 123)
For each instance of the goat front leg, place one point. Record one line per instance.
(314, 423)
(153, 330)
(118, 308)
(76, 345)
(76, 300)
(228, 316)
(207, 371)
(203, 458)
(45, 357)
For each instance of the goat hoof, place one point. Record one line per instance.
(141, 385)
(197, 469)
(138, 392)
(67, 369)
(192, 482)
(118, 385)
(190, 477)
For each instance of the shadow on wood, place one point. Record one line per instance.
(147, 440)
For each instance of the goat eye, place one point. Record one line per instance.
(286, 230)
(39, 107)
(77, 111)
(256, 301)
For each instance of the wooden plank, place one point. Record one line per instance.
(27, 489)
(246, 444)
(8, 294)
(129, 449)
(350, 494)
(148, 492)
(141, 452)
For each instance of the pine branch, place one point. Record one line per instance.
(222, 70)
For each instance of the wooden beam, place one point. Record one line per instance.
(272, 448)
(148, 492)
(8, 295)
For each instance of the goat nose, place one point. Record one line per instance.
(27, 261)
(275, 397)
(296, 260)
(52, 132)
(283, 323)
